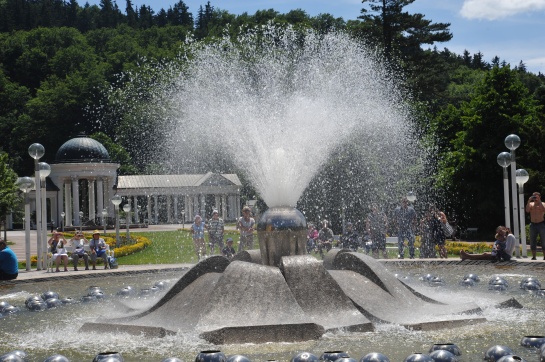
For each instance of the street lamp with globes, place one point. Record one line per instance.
(36, 151)
(104, 219)
(512, 142)
(63, 214)
(116, 200)
(504, 160)
(44, 170)
(411, 197)
(522, 177)
(127, 209)
(26, 184)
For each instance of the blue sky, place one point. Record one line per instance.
(514, 30)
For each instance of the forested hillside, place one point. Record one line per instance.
(58, 61)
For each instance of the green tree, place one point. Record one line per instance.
(399, 31)
(468, 171)
(8, 188)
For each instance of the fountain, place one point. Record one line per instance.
(279, 110)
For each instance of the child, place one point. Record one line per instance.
(228, 251)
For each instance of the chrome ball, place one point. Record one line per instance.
(93, 288)
(374, 357)
(37, 306)
(418, 357)
(68, 300)
(532, 341)
(4, 305)
(98, 294)
(530, 279)
(211, 356)
(88, 299)
(57, 358)
(511, 358)
(467, 282)
(34, 298)
(530, 285)
(427, 277)
(436, 282)
(475, 277)
(302, 357)
(172, 359)
(333, 355)
(451, 347)
(497, 287)
(53, 303)
(345, 359)
(11, 357)
(108, 357)
(494, 353)
(161, 285)
(442, 355)
(49, 295)
(497, 280)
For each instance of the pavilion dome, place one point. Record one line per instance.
(82, 149)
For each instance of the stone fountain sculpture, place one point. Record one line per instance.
(284, 295)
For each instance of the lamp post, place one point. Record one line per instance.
(45, 170)
(512, 142)
(116, 200)
(63, 214)
(522, 177)
(504, 160)
(81, 221)
(104, 215)
(127, 209)
(26, 184)
(36, 151)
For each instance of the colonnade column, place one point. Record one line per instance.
(75, 200)
(224, 207)
(100, 200)
(169, 213)
(135, 214)
(67, 203)
(176, 217)
(156, 208)
(92, 203)
(148, 213)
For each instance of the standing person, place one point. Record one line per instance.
(57, 248)
(98, 249)
(376, 225)
(325, 239)
(438, 220)
(215, 229)
(228, 251)
(405, 218)
(78, 243)
(349, 240)
(510, 241)
(197, 230)
(427, 241)
(312, 237)
(246, 226)
(536, 208)
(9, 268)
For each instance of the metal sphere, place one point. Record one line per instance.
(442, 355)
(4, 305)
(346, 359)
(11, 357)
(108, 357)
(57, 358)
(53, 303)
(33, 299)
(418, 357)
(375, 357)
(50, 294)
(238, 358)
(533, 341)
(67, 300)
(529, 279)
(531, 285)
(333, 355)
(161, 285)
(428, 277)
(475, 277)
(88, 298)
(498, 280)
(451, 347)
(467, 282)
(511, 358)
(37, 306)
(494, 353)
(211, 356)
(302, 357)
(172, 359)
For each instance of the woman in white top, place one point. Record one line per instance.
(57, 247)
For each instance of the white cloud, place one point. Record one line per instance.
(498, 9)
